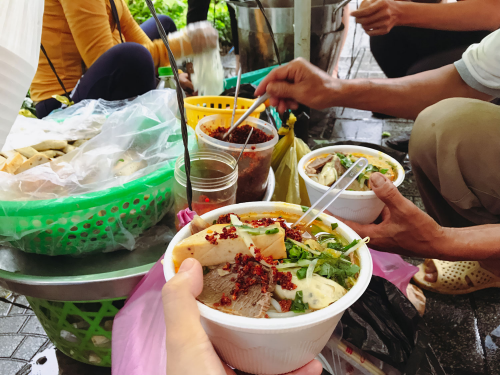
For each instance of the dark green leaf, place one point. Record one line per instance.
(334, 226)
(353, 243)
(344, 160)
(384, 171)
(205, 270)
(301, 274)
(298, 304)
(272, 231)
(214, 222)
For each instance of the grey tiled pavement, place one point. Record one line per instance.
(465, 329)
(21, 335)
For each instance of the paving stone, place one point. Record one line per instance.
(10, 367)
(29, 347)
(364, 131)
(487, 309)
(33, 326)
(8, 344)
(11, 324)
(4, 308)
(454, 333)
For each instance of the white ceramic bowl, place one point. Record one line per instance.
(273, 346)
(359, 206)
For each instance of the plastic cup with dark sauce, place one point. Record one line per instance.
(255, 162)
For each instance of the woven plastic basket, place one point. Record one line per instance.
(81, 330)
(99, 221)
(198, 107)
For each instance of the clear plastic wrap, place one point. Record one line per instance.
(129, 139)
(208, 76)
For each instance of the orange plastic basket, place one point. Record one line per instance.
(198, 107)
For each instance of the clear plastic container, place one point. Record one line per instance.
(213, 178)
(255, 162)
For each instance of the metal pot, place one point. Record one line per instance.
(256, 50)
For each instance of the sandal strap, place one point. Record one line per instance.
(453, 275)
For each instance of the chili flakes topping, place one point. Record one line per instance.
(285, 305)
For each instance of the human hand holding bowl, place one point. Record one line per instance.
(190, 352)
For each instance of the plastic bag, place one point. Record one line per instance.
(132, 139)
(208, 76)
(393, 268)
(290, 187)
(20, 35)
(139, 334)
(384, 323)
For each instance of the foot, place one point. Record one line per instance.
(399, 143)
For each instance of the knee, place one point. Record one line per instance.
(168, 23)
(454, 120)
(132, 57)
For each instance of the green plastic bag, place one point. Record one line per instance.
(290, 187)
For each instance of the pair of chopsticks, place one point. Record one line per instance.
(245, 115)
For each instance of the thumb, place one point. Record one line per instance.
(182, 317)
(386, 191)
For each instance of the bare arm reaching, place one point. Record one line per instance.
(380, 16)
(407, 230)
(301, 82)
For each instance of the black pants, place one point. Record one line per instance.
(124, 71)
(409, 50)
(198, 11)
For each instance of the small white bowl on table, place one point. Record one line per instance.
(278, 345)
(360, 206)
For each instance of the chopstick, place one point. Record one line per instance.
(236, 92)
(250, 110)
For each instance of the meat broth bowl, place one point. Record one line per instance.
(272, 344)
(358, 203)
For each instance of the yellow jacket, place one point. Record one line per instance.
(82, 30)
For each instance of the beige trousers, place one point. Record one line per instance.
(455, 155)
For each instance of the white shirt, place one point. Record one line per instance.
(480, 65)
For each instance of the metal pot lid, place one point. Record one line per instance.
(86, 278)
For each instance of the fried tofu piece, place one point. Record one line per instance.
(32, 162)
(27, 152)
(50, 145)
(13, 163)
(224, 250)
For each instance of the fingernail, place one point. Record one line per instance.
(187, 265)
(377, 179)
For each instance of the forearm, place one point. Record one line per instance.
(476, 243)
(402, 97)
(468, 15)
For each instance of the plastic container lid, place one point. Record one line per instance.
(165, 71)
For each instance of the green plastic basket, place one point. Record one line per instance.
(81, 330)
(94, 222)
(250, 77)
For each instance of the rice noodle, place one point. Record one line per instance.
(283, 315)
(276, 305)
(357, 246)
(310, 270)
(287, 265)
